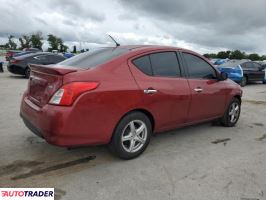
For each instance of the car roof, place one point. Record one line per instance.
(146, 47)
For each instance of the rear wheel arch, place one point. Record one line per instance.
(238, 97)
(144, 111)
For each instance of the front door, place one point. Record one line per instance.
(208, 95)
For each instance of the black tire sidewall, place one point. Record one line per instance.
(226, 121)
(116, 145)
(244, 81)
(27, 72)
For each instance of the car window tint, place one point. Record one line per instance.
(249, 65)
(143, 64)
(198, 68)
(256, 66)
(41, 58)
(93, 58)
(56, 58)
(165, 64)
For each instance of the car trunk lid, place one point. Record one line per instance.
(45, 81)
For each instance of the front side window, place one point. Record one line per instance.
(198, 68)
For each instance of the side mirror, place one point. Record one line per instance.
(223, 76)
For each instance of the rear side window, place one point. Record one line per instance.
(256, 66)
(143, 64)
(163, 64)
(41, 58)
(198, 68)
(93, 58)
(56, 58)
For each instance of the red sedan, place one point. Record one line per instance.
(120, 96)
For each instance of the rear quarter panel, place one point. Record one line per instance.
(97, 112)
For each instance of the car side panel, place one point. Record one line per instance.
(170, 104)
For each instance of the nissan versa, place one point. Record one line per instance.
(121, 95)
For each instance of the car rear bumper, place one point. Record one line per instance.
(59, 125)
(16, 69)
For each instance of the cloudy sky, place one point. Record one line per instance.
(200, 25)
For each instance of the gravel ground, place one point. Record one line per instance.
(198, 162)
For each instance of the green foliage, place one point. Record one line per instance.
(36, 40)
(237, 54)
(56, 43)
(254, 56)
(223, 54)
(25, 41)
(11, 44)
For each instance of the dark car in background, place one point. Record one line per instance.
(243, 71)
(20, 64)
(27, 51)
(11, 53)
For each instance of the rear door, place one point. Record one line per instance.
(253, 71)
(165, 92)
(208, 95)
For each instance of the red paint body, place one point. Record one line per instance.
(94, 115)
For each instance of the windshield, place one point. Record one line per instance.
(93, 58)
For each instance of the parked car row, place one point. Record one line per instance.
(12, 53)
(20, 64)
(244, 71)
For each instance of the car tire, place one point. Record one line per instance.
(27, 72)
(232, 113)
(244, 81)
(131, 136)
(263, 82)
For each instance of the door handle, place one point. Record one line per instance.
(150, 91)
(198, 89)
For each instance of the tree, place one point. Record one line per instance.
(56, 43)
(223, 54)
(53, 42)
(25, 41)
(254, 56)
(36, 40)
(11, 44)
(74, 49)
(263, 57)
(237, 54)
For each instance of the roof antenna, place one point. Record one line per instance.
(116, 43)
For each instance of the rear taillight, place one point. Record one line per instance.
(68, 93)
(14, 61)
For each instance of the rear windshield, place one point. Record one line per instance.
(93, 58)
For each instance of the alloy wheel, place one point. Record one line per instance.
(234, 112)
(134, 136)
